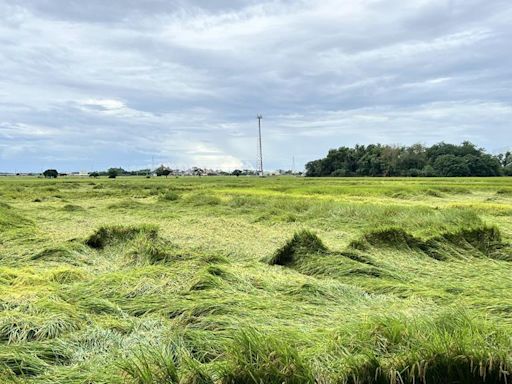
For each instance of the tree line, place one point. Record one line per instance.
(441, 159)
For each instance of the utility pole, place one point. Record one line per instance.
(260, 152)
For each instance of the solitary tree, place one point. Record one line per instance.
(162, 171)
(236, 172)
(51, 174)
(197, 171)
(112, 173)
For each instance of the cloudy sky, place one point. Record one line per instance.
(91, 84)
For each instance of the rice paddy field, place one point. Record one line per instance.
(248, 280)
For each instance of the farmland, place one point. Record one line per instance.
(248, 280)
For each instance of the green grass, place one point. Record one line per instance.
(249, 280)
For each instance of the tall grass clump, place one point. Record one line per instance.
(169, 196)
(72, 208)
(69, 253)
(67, 275)
(386, 237)
(302, 243)
(462, 243)
(149, 249)
(16, 327)
(202, 198)
(256, 358)
(126, 204)
(449, 347)
(30, 360)
(168, 364)
(10, 218)
(108, 235)
(151, 365)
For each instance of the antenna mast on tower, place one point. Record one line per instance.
(260, 152)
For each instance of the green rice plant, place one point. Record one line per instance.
(379, 314)
(108, 235)
(386, 237)
(199, 199)
(16, 327)
(7, 375)
(257, 358)
(215, 270)
(465, 242)
(20, 364)
(72, 208)
(126, 204)
(504, 192)
(11, 219)
(433, 193)
(151, 365)
(29, 360)
(98, 305)
(451, 347)
(169, 196)
(303, 242)
(306, 253)
(57, 253)
(149, 249)
(64, 275)
(205, 282)
(72, 253)
(193, 372)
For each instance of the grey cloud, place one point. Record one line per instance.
(122, 81)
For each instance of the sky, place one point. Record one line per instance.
(88, 85)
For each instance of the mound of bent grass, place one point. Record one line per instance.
(11, 219)
(303, 242)
(108, 235)
(69, 253)
(72, 208)
(149, 248)
(17, 327)
(27, 360)
(480, 241)
(306, 253)
(169, 196)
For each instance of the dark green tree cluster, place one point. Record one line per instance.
(51, 173)
(417, 160)
(114, 172)
(163, 171)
